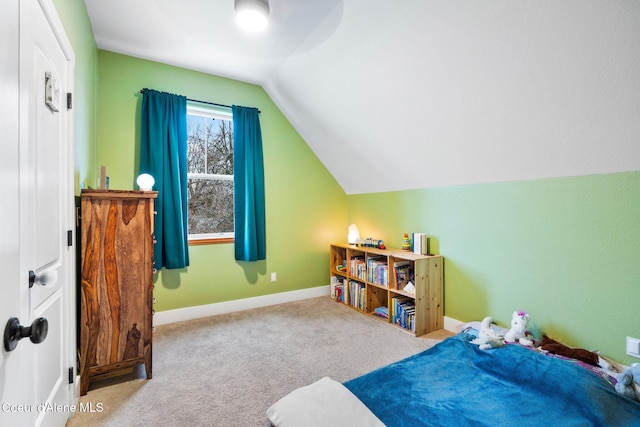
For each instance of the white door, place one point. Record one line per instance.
(45, 213)
(11, 364)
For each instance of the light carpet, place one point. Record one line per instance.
(228, 370)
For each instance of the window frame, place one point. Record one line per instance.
(221, 113)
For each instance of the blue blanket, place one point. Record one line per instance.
(456, 384)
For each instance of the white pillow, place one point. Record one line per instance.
(325, 403)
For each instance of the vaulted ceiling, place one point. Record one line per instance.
(395, 95)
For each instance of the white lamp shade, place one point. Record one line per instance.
(353, 234)
(145, 182)
(252, 15)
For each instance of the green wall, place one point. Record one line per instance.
(306, 208)
(565, 250)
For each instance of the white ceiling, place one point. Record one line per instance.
(202, 34)
(406, 94)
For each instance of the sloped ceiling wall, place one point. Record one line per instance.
(406, 94)
(417, 94)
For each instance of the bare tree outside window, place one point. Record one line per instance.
(210, 175)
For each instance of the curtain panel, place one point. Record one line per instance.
(249, 198)
(163, 154)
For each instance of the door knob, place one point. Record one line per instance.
(14, 332)
(46, 278)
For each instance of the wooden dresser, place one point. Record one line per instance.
(116, 283)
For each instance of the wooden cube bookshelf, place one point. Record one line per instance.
(371, 279)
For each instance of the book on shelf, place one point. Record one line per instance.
(357, 295)
(334, 282)
(396, 304)
(337, 288)
(378, 271)
(403, 272)
(381, 312)
(419, 243)
(403, 312)
(358, 267)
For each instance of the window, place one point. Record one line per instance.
(209, 174)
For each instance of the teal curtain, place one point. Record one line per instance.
(163, 154)
(248, 178)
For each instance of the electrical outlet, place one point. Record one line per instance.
(273, 277)
(633, 347)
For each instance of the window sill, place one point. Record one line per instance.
(211, 241)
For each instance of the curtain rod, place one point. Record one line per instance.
(202, 102)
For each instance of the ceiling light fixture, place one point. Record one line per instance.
(252, 15)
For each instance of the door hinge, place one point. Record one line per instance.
(71, 375)
(69, 99)
(69, 237)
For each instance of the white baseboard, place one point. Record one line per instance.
(190, 313)
(451, 324)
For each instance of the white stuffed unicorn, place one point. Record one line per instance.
(519, 332)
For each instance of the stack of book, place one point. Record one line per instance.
(381, 312)
(357, 295)
(378, 271)
(419, 241)
(358, 268)
(337, 288)
(403, 313)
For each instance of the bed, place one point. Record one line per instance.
(455, 383)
